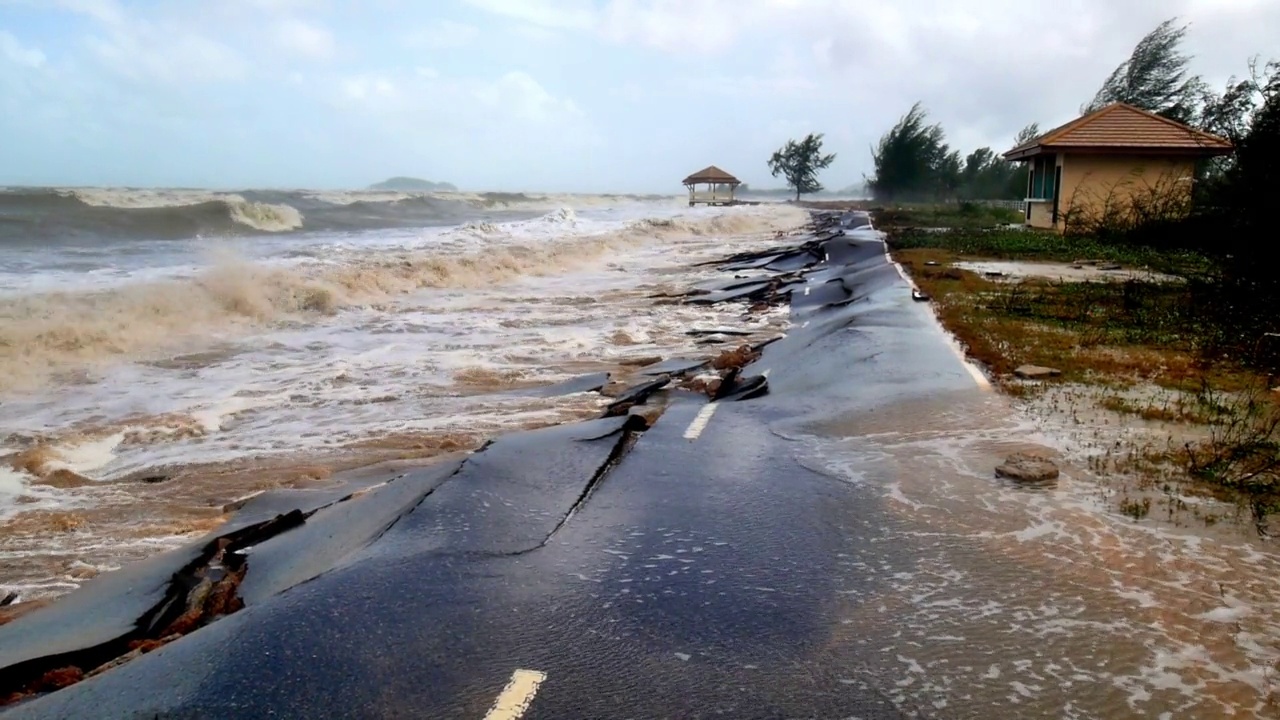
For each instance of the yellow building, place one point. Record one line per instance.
(719, 186)
(1116, 163)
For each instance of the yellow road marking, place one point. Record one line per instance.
(516, 696)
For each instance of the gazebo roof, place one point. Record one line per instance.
(1123, 128)
(711, 174)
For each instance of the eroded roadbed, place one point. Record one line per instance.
(669, 559)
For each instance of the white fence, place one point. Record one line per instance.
(1018, 205)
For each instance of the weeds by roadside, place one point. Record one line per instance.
(1030, 244)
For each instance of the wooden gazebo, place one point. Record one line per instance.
(720, 186)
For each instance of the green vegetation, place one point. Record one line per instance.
(1028, 244)
(1155, 77)
(799, 163)
(914, 162)
(964, 214)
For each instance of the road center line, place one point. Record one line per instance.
(700, 421)
(516, 696)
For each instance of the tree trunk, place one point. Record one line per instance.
(797, 194)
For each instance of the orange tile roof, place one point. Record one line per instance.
(1121, 127)
(711, 174)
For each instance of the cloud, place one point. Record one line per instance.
(442, 35)
(15, 52)
(423, 95)
(623, 93)
(305, 39)
(162, 49)
(365, 87)
(524, 98)
(563, 14)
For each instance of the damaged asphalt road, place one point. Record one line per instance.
(672, 558)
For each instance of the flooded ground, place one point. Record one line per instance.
(1046, 601)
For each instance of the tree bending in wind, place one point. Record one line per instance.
(1155, 77)
(799, 163)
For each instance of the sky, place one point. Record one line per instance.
(548, 95)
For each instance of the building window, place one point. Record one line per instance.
(1042, 177)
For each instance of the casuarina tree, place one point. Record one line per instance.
(1155, 77)
(912, 160)
(799, 163)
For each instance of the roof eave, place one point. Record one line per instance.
(1202, 151)
(1020, 154)
(1017, 155)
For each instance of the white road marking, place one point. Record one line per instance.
(804, 324)
(516, 696)
(766, 372)
(700, 421)
(806, 290)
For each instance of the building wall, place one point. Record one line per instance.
(1041, 213)
(1095, 186)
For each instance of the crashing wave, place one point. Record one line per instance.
(45, 334)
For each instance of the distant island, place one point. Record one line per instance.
(414, 185)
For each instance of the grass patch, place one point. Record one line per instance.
(1031, 244)
(1096, 332)
(961, 215)
(966, 215)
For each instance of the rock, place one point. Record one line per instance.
(9, 599)
(1036, 372)
(1024, 467)
(64, 478)
(153, 479)
(919, 296)
(741, 357)
(640, 361)
(82, 571)
(931, 263)
(1110, 266)
(993, 273)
